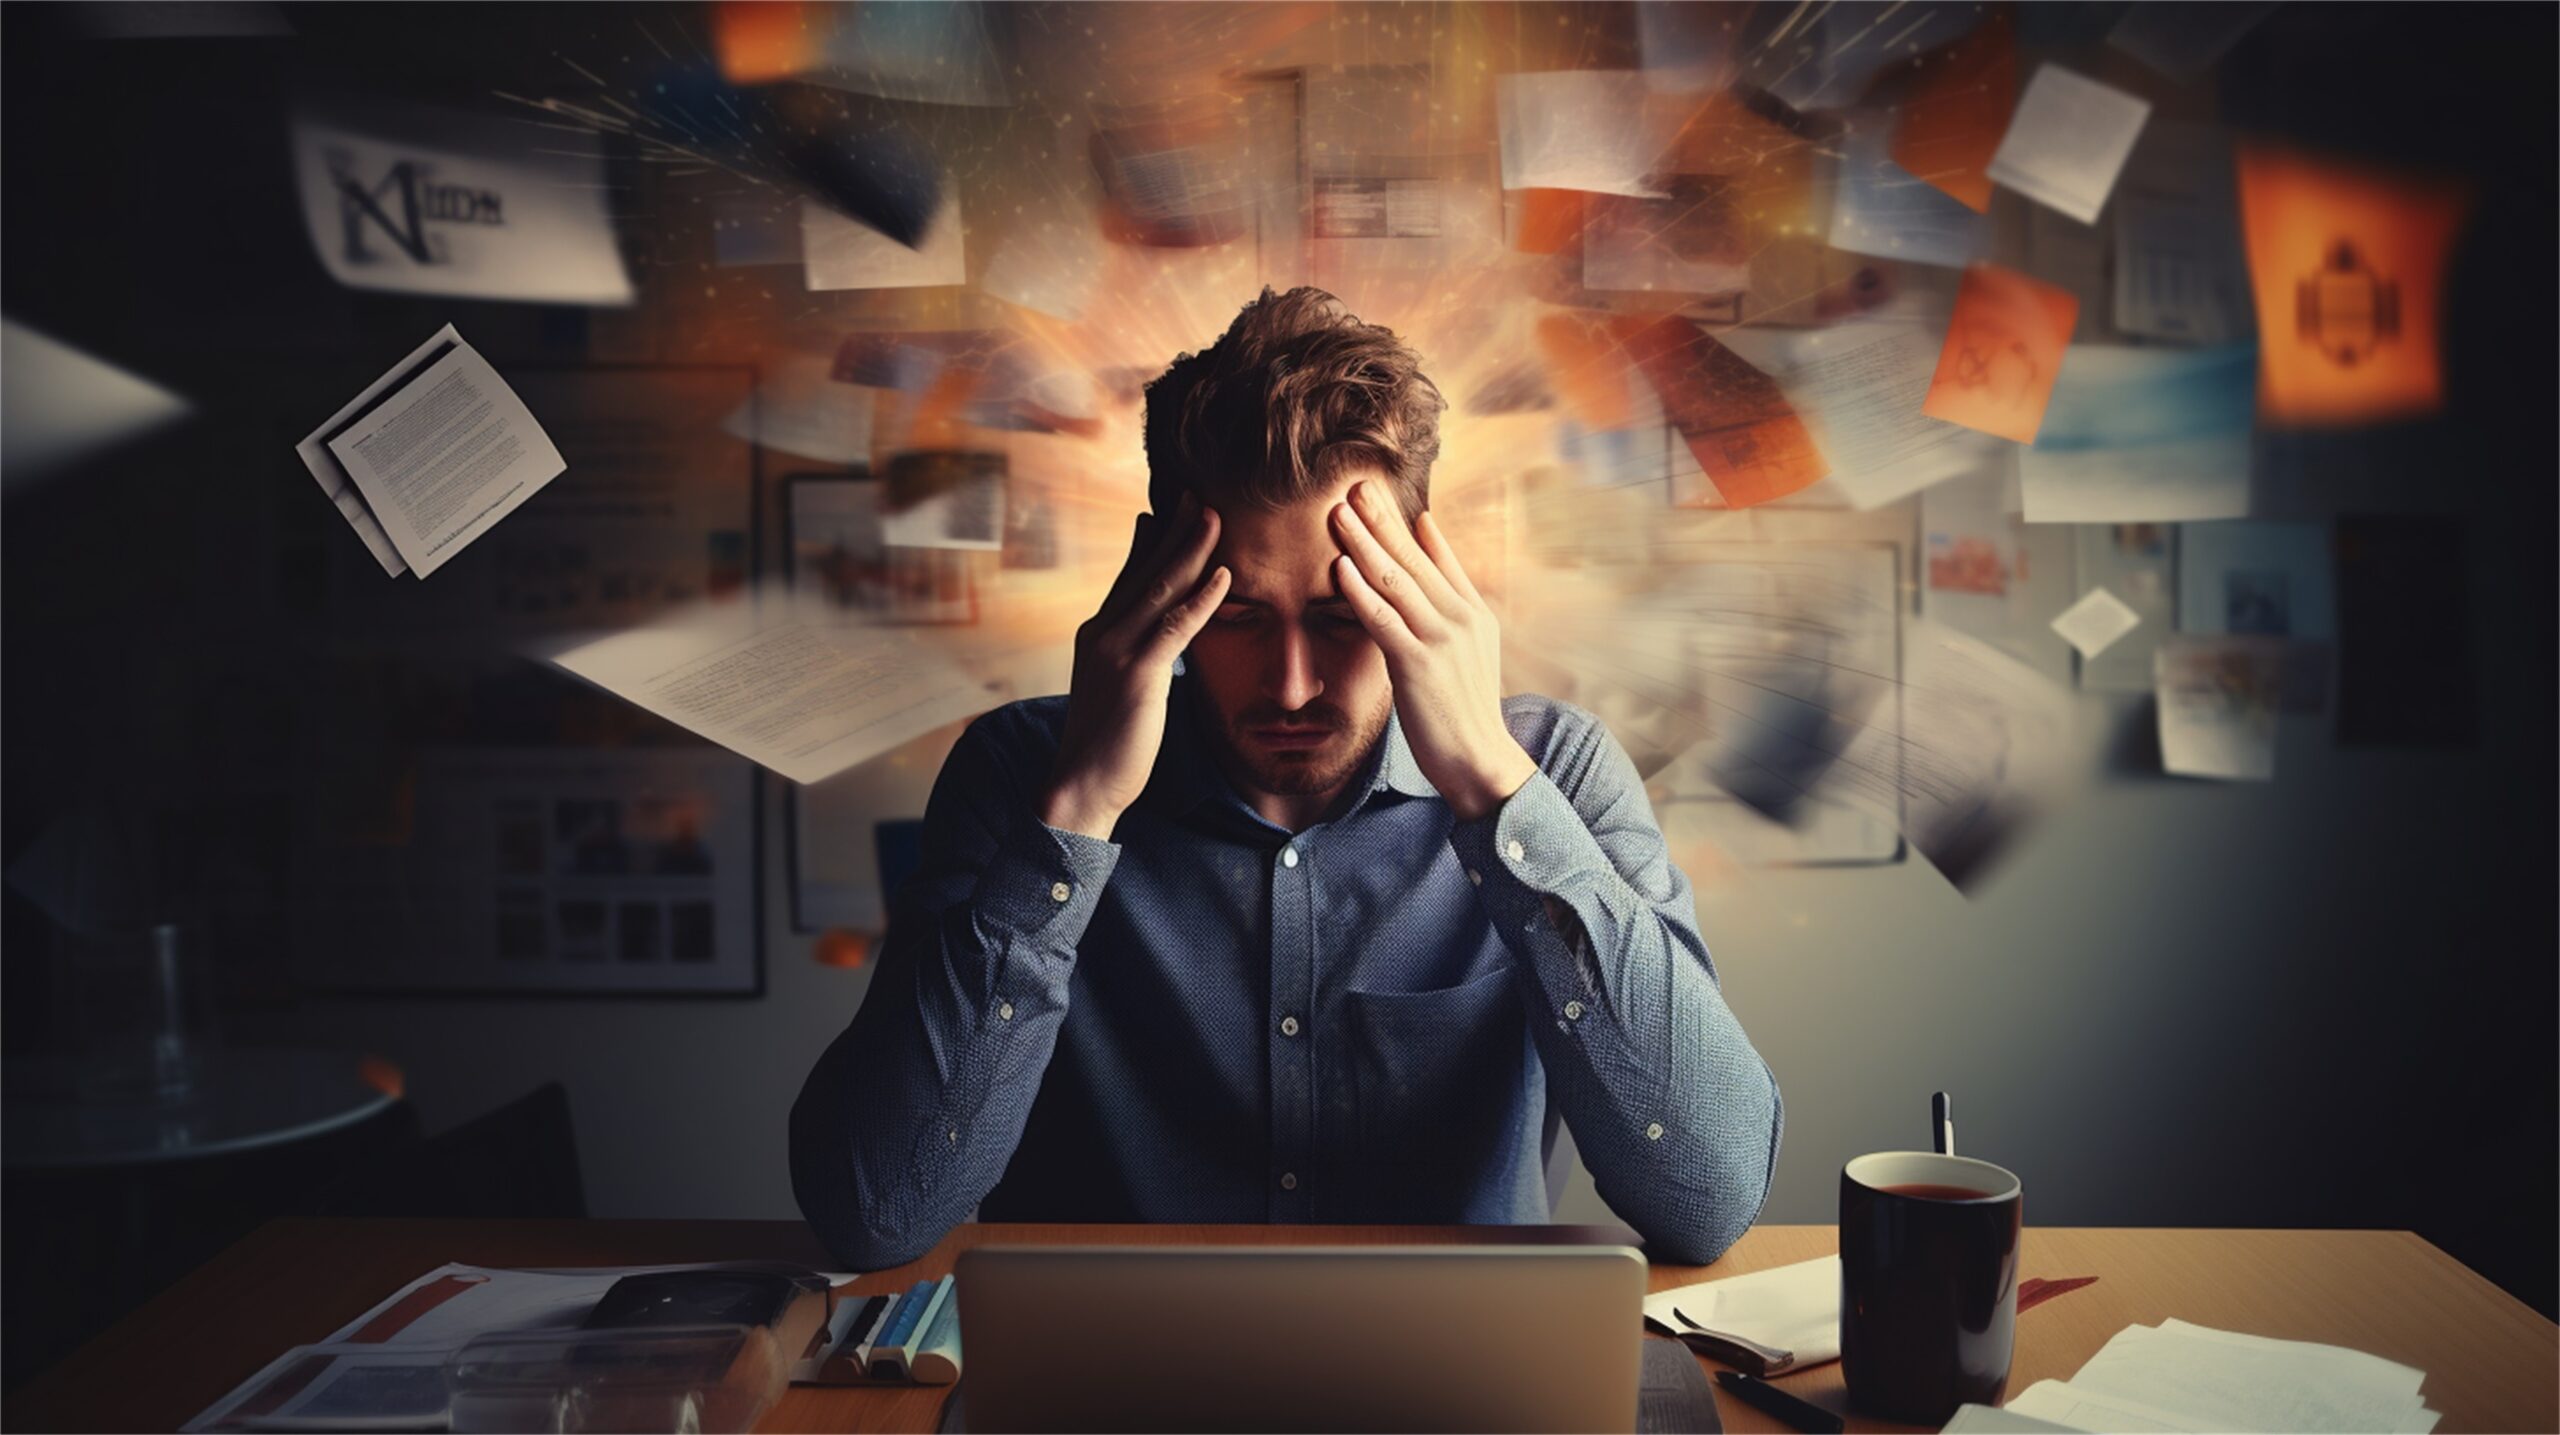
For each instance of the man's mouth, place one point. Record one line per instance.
(1289, 738)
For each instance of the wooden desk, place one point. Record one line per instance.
(2492, 1363)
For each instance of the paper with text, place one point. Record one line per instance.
(783, 695)
(430, 456)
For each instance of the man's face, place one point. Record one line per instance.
(1295, 688)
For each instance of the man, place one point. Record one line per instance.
(1312, 925)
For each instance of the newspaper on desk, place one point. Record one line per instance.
(385, 1370)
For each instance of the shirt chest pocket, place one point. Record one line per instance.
(1438, 1080)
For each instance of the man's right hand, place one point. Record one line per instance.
(1124, 669)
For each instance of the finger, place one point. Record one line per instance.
(1384, 576)
(1180, 573)
(1183, 622)
(1436, 543)
(1375, 613)
(1386, 522)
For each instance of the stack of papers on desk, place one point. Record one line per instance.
(385, 1370)
(1768, 1322)
(2180, 1377)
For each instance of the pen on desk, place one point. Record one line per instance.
(1799, 1414)
(1942, 1123)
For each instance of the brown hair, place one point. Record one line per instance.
(1296, 393)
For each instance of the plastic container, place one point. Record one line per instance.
(678, 1378)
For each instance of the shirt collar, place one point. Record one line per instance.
(1187, 775)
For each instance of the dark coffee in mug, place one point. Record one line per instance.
(1928, 1283)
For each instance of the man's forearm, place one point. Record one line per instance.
(1670, 1105)
(913, 1112)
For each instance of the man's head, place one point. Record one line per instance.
(1271, 426)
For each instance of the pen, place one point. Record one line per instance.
(1799, 1414)
(1942, 1123)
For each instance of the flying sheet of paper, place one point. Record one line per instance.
(429, 202)
(2179, 271)
(1578, 129)
(2004, 346)
(1987, 744)
(1735, 419)
(805, 702)
(800, 408)
(2218, 703)
(1880, 208)
(2068, 141)
(839, 253)
(2093, 624)
(57, 403)
(1861, 385)
(1956, 110)
(2348, 268)
(430, 456)
(2144, 436)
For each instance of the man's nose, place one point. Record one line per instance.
(1291, 680)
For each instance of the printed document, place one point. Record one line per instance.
(430, 456)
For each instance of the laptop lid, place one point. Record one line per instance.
(1301, 1337)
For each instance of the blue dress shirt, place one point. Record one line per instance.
(1212, 1019)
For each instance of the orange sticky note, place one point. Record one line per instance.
(2004, 347)
(1735, 419)
(1957, 110)
(2347, 266)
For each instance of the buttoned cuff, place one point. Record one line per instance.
(1041, 887)
(1535, 837)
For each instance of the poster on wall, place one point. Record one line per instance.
(554, 871)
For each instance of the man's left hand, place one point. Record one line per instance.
(1443, 648)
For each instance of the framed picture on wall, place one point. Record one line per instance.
(564, 872)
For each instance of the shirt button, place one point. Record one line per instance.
(1513, 850)
(1005, 1012)
(1653, 1132)
(1288, 856)
(1288, 1180)
(1059, 891)
(1288, 1026)
(1475, 876)
(1572, 1011)
(953, 1135)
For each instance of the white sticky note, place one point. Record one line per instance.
(2068, 141)
(2095, 622)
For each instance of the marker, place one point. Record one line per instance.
(1942, 1123)
(1769, 1399)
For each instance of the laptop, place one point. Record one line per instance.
(1301, 1338)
